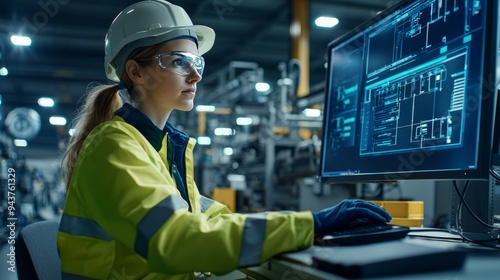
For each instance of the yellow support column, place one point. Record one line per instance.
(202, 123)
(300, 42)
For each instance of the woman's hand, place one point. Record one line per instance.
(348, 210)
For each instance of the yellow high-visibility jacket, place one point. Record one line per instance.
(133, 211)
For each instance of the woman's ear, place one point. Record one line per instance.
(134, 71)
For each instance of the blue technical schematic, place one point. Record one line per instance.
(412, 78)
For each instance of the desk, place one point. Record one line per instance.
(481, 263)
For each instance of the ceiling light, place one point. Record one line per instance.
(326, 21)
(205, 108)
(20, 143)
(56, 120)
(236, 178)
(46, 102)
(285, 82)
(312, 112)
(223, 131)
(262, 87)
(228, 151)
(20, 40)
(243, 121)
(204, 140)
(71, 131)
(295, 29)
(4, 71)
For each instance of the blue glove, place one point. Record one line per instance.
(341, 214)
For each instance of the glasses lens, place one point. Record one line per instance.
(199, 64)
(182, 63)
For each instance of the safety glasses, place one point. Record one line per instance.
(181, 62)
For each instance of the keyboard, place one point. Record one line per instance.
(362, 232)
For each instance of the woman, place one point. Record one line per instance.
(133, 209)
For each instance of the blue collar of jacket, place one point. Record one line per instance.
(153, 134)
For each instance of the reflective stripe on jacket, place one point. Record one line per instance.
(125, 217)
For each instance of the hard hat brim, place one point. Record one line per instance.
(206, 38)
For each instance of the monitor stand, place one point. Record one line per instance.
(480, 196)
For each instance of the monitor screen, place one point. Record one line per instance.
(411, 94)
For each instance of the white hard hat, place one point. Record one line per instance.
(148, 23)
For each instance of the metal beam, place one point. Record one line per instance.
(300, 42)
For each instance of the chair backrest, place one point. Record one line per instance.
(36, 252)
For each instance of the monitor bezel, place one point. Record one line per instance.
(489, 138)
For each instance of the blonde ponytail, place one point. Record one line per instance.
(100, 105)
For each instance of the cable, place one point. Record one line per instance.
(462, 201)
(429, 229)
(413, 230)
(494, 174)
(458, 214)
(478, 242)
(436, 238)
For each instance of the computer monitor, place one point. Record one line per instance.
(412, 94)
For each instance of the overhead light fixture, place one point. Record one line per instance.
(56, 120)
(205, 108)
(4, 71)
(223, 131)
(204, 140)
(311, 112)
(327, 22)
(285, 82)
(243, 121)
(71, 131)
(20, 40)
(295, 29)
(228, 151)
(236, 178)
(46, 102)
(20, 143)
(262, 87)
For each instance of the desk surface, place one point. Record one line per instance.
(481, 263)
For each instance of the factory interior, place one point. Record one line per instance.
(258, 118)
